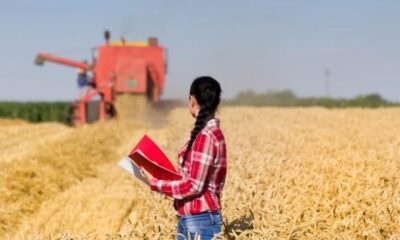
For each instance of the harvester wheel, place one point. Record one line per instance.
(71, 115)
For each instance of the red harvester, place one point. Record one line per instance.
(119, 68)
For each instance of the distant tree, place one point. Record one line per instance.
(374, 97)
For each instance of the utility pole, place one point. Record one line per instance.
(327, 73)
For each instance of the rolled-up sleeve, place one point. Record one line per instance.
(202, 158)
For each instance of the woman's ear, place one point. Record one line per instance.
(192, 102)
(193, 106)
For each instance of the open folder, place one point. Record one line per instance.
(148, 155)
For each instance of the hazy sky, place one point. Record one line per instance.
(259, 45)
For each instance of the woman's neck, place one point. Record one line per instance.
(211, 116)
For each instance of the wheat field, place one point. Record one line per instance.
(293, 173)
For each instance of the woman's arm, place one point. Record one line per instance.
(202, 157)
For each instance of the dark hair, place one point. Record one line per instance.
(207, 92)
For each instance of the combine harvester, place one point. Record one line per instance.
(122, 79)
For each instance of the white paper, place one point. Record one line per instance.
(128, 165)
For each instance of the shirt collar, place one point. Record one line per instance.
(213, 122)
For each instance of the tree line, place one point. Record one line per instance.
(35, 111)
(287, 98)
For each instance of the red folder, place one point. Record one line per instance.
(148, 155)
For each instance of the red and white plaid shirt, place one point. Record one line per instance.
(203, 175)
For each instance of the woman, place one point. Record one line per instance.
(202, 164)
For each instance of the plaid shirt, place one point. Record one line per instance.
(203, 175)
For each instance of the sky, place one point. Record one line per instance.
(246, 45)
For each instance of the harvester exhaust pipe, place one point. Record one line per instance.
(107, 36)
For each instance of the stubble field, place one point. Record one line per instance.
(293, 173)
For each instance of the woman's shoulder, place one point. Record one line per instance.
(214, 133)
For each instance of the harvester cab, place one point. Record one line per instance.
(120, 68)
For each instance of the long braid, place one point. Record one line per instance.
(201, 118)
(206, 91)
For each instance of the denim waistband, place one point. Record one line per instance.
(196, 214)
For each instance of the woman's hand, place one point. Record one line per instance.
(146, 175)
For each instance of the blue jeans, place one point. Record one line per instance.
(204, 225)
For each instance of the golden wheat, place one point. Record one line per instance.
(299, 173)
